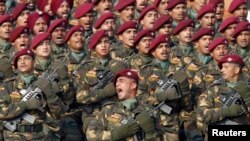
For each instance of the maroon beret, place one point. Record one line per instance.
(228, 22)
(56, 23)
(15, 33)
(183, 24)
(2, 1)
(231, 58)
(156, 3)
(164, 19)
(95, 2)
(126, 73)
(145, 11)
(143, 33)
(216, 42)
(215, 2)
(242, 26)
(201, 32)
(235, 4)
(35, 16)
(73, 30)
(41, 4)
(127, 25)
(5, 18)
(83, 9)
(173, 3)
(38, 39)
(18, 10)
(208, 8)
(157, 40)
(24, 51)
(97, 37)
(124, 3)
(55, 4)
(105, 16)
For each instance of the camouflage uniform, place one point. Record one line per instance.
(88, 74)
(138, 60)
(119, 52)
(5, 50)
(210, 104)
(26, 131)
(58, 50)
(113, 116)
(245, 54)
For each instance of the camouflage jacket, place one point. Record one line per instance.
(119, 52)
(138, 60)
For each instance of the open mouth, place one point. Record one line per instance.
(119, 90)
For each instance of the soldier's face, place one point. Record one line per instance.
(63, 11)
(219, 52)
(2, 8)
(128, 36)
(25, 64)
(102, 48)
(162, 7)
(76, 41)
(241, 12)
(104, 5)
(220, 11)
(141, 4)
(149, 19)
(58, 34)
(21, 42)
(144, 44)
(203, 43)
(197, 4)
(243, 39)
(22, 18)
(208, 20)
(43, 49)
(179, 12)
(86, 21)
(47, 8)
(40, 26)
(109, 26)
(128, 13)
(5, 30)
(162, 51)
(124, 87)
(228, 33)
(186, 35)
(165, 29)
(229, 71)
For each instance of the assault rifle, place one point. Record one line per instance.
(30, 93)
(104, 78)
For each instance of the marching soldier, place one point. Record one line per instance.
(20, 14)
(123, 119)
(148, 17)
(125, 11)
(38, 22)
(206, 16)
(215, 105)
(61, 8)
(239, 9)
(219, 12)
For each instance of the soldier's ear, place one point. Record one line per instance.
(237, 69)
(134, 85)
(120, 37)
(142, 22)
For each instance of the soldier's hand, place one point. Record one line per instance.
(32, 104)
(145, 121)
(46, 87)
(169, 94)
(124, 131)
(107, 91)
(182, 78)
(232, 111)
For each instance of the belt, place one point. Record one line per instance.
(30, 128)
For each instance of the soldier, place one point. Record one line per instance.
(219, 12)
(102, 6)
(24, 62)
(44, 6)
(195, 6)
(90, 74)
(117, 120)
(213, 104)
(38, 22)
(239, 9)
(126, 34)
(242, 36)
(20, 14)
(5, 29)
(139, 6)
(206, 16)
(142, 42)
(163, 25)
(61, 8)
(19, 38)
(107, 21)
(158, 69)
(125, 10)
(2, 7)
(161, 6)
(227, 29)
(148, 17)
(57, 29)
(177, 10)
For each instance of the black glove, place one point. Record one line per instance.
(146, 122)
(169, 94)
(182, 78)
(31, 104)
(124, 131)
(232, 111)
